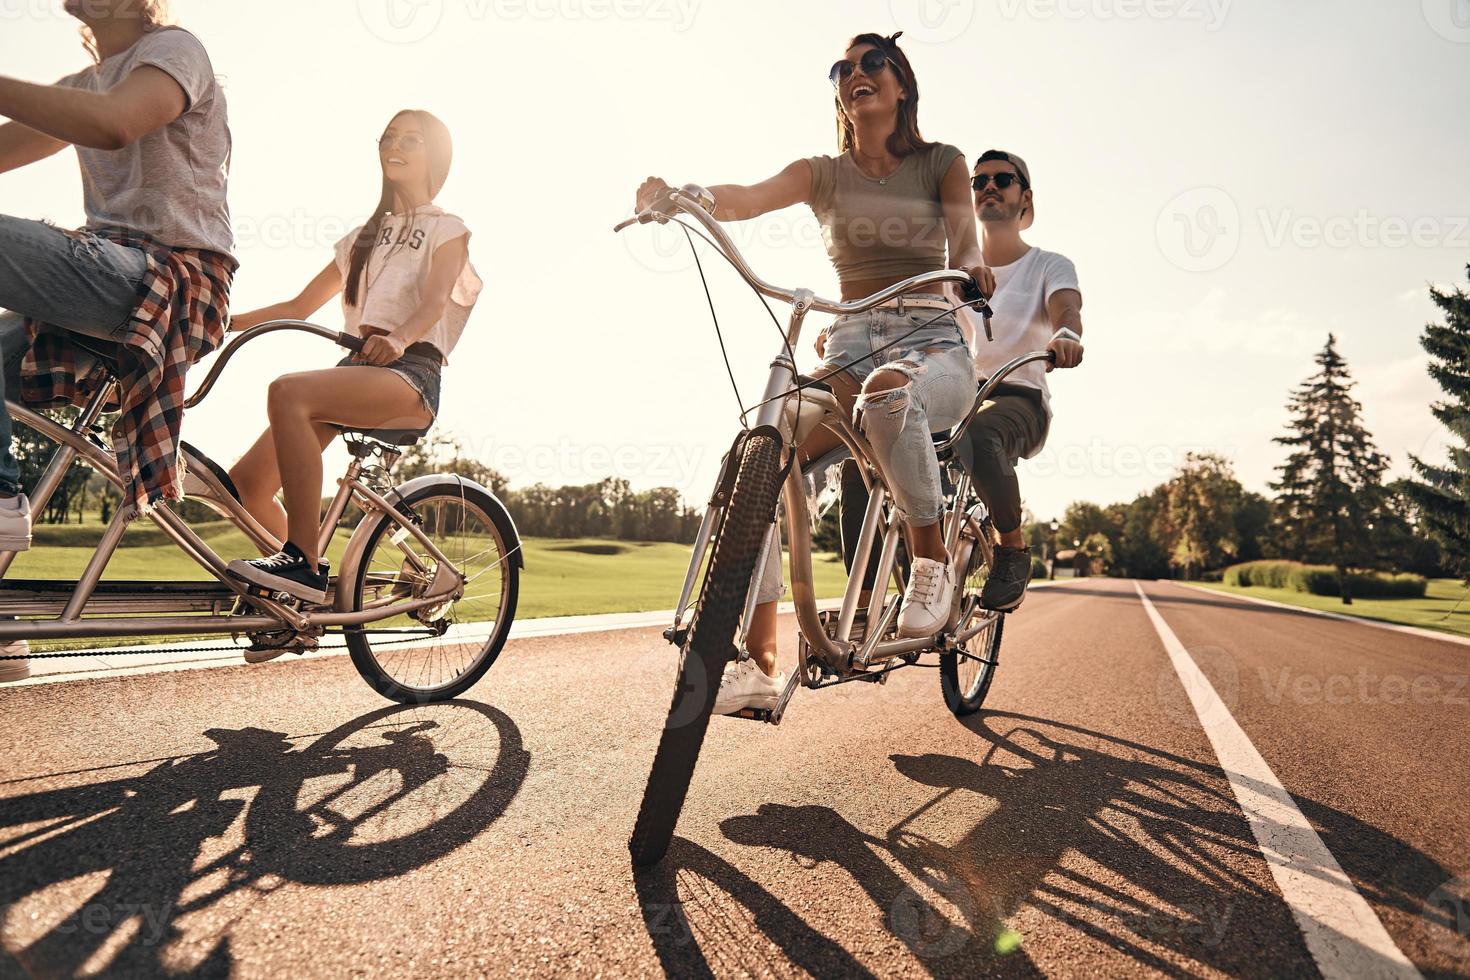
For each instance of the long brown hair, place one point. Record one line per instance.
(905, 138)
(441, 153)
(153, 13)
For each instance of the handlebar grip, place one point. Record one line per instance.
(350, 342)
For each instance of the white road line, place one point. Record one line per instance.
(1342, 932)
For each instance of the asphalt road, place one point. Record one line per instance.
(281, 820)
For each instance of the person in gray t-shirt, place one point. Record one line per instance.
(149, 125)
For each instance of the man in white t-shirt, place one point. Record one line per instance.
(1037, 306)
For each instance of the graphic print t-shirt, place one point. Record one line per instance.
(397, 270)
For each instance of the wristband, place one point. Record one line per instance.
(1066, 333)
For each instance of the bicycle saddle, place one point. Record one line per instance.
(807, 381)
(394, 437)
(105, 351)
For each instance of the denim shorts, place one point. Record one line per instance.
(419, 366)
(851, 338)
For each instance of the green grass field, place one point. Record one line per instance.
(563, 577)
(1445, 606)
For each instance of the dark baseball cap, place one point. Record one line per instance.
(1022, 169)
(1013, 160)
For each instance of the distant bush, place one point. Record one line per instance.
(1323, 580)
(1038, 567)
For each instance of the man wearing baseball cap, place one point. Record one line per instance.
(1037, 306)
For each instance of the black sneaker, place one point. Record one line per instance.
(1010, 573)
(285, 571)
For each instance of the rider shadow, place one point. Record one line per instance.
(1140, 850)
(122, 862)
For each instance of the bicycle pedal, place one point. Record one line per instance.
(752, 714)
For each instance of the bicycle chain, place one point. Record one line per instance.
(112, 652)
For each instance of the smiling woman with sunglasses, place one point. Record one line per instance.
(892, 205)
(407, 288)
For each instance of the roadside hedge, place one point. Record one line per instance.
(1323, 580)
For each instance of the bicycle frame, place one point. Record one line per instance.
(77, 442)
(784, 410)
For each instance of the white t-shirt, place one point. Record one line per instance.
(392, 286)
(170, 185)
(1021, 323)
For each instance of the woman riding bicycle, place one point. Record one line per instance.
(892, 206)
(407, 288)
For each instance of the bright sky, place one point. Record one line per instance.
(1232, 179)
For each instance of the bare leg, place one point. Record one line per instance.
(258, 478)
(760, 638)
(299, 403)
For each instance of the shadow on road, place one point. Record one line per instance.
(114, 871)
(1143, 851)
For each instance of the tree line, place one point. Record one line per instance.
(1331, 503)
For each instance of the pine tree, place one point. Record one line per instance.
(1331, 484)
(1442, 495)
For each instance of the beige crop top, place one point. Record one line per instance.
(889, 228)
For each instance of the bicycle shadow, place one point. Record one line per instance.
(1137, 849)
(375, 798)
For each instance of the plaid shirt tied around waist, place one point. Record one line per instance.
(183, 303)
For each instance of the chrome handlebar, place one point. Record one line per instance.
(259, 330)
(988, 388)
(699, 204)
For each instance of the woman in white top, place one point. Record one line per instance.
(407, 288)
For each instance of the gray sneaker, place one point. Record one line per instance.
(1010, 573)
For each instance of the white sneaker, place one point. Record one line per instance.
(15, 524)
(14, 670)
(927, 598)
(744, 685)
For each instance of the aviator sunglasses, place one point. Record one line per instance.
(408, 143)
(871, 63)
(1002, 180)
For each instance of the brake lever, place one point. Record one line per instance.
(976, 301)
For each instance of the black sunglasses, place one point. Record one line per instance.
(871, 63)
(1002, 181)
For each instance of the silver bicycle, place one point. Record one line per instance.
(740, 529)
(423, 595)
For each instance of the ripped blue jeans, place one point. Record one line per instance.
(74, 280)
(899, 422)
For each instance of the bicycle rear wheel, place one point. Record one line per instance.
(441, 650)
(965, 675)
(710, 645)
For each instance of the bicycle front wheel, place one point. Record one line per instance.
(965, 674)
(438, 652)
(710, 645)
